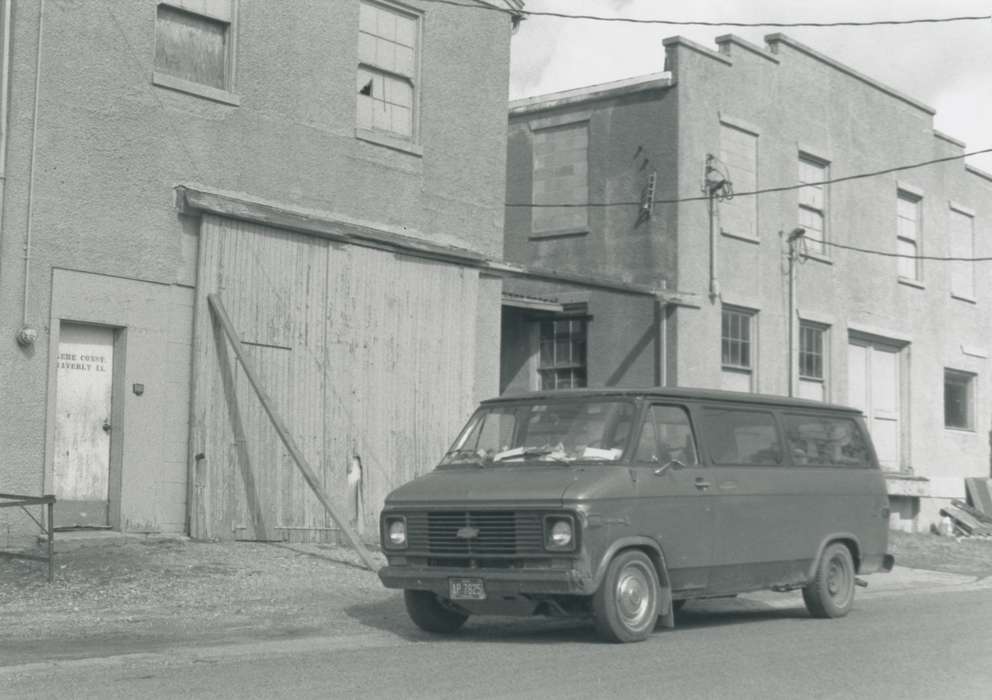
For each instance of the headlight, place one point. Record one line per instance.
(559, 533)
(396, 532)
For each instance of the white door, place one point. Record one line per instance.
(84, 386)
(873, 386)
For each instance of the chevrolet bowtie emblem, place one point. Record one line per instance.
(467, 533)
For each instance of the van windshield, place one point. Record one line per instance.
(575, 430)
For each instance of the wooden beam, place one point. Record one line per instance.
(220, 313)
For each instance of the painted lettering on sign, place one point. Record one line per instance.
(85, 363)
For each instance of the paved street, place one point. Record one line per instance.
(923, 642)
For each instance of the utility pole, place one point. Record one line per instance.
(794, 236)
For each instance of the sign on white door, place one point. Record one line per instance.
(873, 386)
(84, 387)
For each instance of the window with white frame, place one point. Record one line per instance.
(388, 39)
(959, 400)
(962, 244)
(194, 45)
(813, 201)
(908, 234)
(562, 357)
(739, 155)
(812, 375)
(737, 349)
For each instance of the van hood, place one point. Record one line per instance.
(530, 484)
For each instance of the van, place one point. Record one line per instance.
(624, 504)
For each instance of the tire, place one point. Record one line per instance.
(831, 592)
(430, 614)
(625, 607)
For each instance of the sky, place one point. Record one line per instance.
(946, 66)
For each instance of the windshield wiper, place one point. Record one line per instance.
(521, 452)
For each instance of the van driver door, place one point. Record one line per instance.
(675, 495)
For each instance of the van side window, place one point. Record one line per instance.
(667, 436)
(742, 437)
(825, 441)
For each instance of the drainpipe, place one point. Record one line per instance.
(793, 239)
(4, 98)
(27, 335)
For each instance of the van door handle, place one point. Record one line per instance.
(702, 483)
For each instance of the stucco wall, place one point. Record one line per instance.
(111, 146)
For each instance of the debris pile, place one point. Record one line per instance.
(973, 519)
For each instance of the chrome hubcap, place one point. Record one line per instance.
(633, 597)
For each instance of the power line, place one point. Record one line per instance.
(888, 254)
(766, 190)
(703, 23)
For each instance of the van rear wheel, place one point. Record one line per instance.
(430, 614)
(625, 607)
(831, 592)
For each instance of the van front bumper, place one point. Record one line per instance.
(497, 582)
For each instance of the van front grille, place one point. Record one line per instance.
(476, 533)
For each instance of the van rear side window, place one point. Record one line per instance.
(748, 438)
(825, 441)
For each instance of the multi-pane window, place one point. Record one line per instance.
(962, 240)
(387, 69)
(959, 400)
(908, 234)
(736, 346)
(562, 361)
(811, 364)
(739, 155)
(561, 176)
(813, 201)
(193, 43)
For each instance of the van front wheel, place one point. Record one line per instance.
(626, 605)
(430, 614)
(831, 592)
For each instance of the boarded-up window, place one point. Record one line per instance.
(561, 176)
(962, 240)
(813, 201)
(908, 234)
(739, 155)
(387, 69)
(192, 41)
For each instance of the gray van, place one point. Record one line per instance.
(625, 504)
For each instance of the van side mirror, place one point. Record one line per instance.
(674, 464)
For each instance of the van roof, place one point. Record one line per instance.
(681, 393)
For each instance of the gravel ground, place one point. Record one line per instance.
(180, 589)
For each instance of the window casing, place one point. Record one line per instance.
(908, 232)
(959, 400)
(736, 349)
(387, 76)
(813, 202)
(962, 243)
(739, 154)
(194, 47)
(562, 354)
(812, 374)
(561, 175)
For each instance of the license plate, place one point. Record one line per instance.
(466, 589)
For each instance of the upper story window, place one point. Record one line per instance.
(561, 176)
(813, 201)
(739, 155)
(194, 47)
(736, 349)
(962, 244)
(908, 234)
(388, 44)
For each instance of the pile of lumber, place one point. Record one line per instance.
(972, 519)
